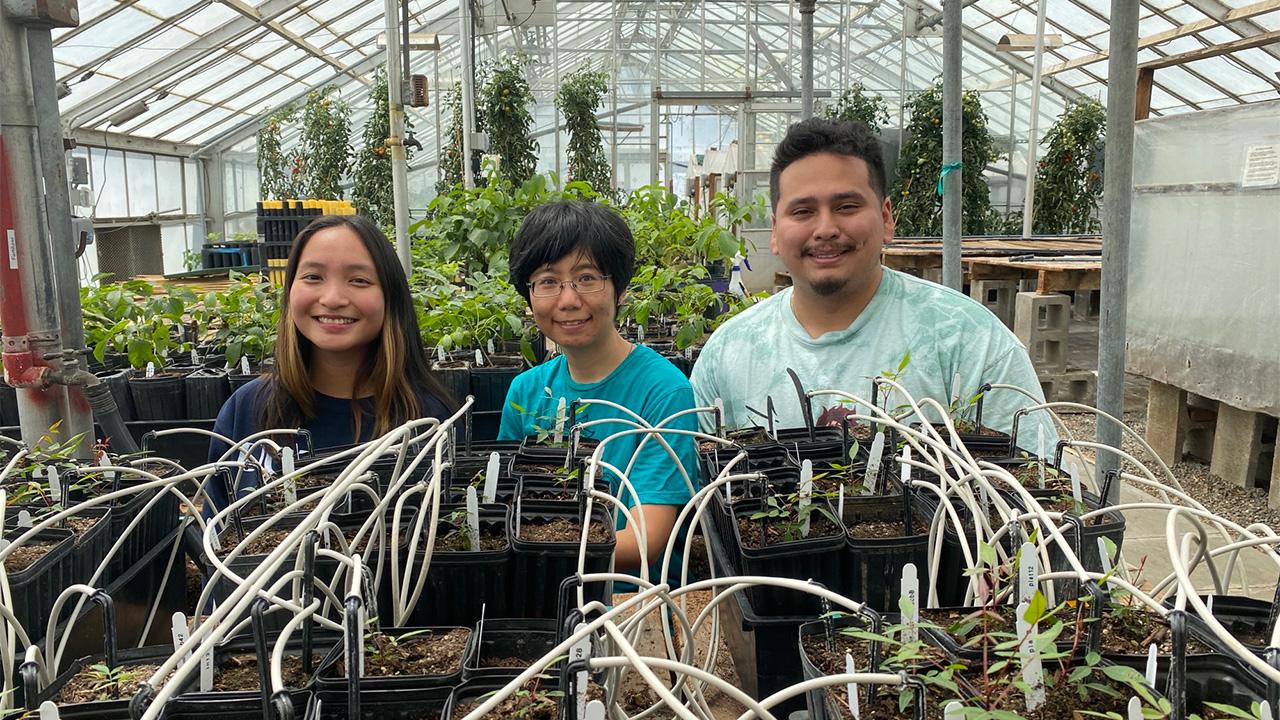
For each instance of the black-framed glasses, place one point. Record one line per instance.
(583, 284)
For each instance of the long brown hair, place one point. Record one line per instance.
(395, 365)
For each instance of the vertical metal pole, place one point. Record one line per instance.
(395, 118)
(807, 8)
(1122, 73)
(27, 282)
(1013, 144)
(653, 101)
(952, 144)
(613, 132)
(1033, 141)
(902, 89)
(702, 43)
(468, 90)
(62, 239)
(435, 87)
(555, 70)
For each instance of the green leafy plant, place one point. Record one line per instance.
(324, 142)
(275, 166)
(580, 95)
(130, 318)
(247, 313)
(1068, 177)
(855, 103)
(371, 179)
(789, 514)
(506, 98)
(917, 206)
(108, 683)
(544, 426)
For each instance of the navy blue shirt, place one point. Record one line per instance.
(332, 425)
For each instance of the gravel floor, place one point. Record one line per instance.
(1231, 502)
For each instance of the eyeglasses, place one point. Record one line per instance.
(583, 284)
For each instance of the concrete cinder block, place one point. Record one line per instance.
(1084, 305)
(1273, 498)
(997, 296)
(1078, 386)
(1237, 445)
(1167, 421)
(1043, 323)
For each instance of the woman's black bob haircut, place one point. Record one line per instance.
(559, 228)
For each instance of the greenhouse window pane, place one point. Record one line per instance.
(191, 187)
(106, 37)
(211, 16)
(210, 75)
(109, 183)
(154, 49)
(244, 79)
(1269, 21)
(169, 198)
(166, 8)
(141, 170)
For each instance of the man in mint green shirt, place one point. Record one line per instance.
(847, 319)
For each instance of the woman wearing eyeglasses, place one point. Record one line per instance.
(572, 261)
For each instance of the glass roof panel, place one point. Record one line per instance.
(150, 51)
(166, 8)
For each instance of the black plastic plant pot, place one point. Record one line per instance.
(547, 487)
(817, 557)
(455, 376)
(1248, 619)
(332, 674)
(489, 385)
(92, 544)
(214, 360)
(237, 380)
(781, 479)
(936, 630)
(35, 587)
(476, 689)
(104, 709)
(873, 568)
(158, 523)
(498, 644)
(1112, 527)
(462, 582)
(408, 703)
(206, 391)
(118, 382)
(162, 397)
(532, 451)
(542, 565)
(951, 581)
(237, 648)
(222, 706)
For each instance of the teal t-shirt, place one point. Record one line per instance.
(948, 335)
(646, 384)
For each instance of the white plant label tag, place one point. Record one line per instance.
(151, 369)
(479, 358)
(489, 346)
(440, 353)
(179, 631)
(1264, 710)
(519, 506)
(1032, 671)
(24, 519)
(1040, 453)
(1075, 487)
(911, 595)
(1151, 665)
(4, 544)
(1208, 603)
(595, 711)
(473, 517)
(491, 478)
(110, 475)
(688, 353)
(906, 465)
(1135, 709)
(806, 494)
(1028, 572)
(718, 403)
(55, 482)
(195, 359)
(840, 502)
(560, 420)
(1104, 557)
(286, 467)
(639, 333)
(953, 711)
(215, 539)
(579, 653)
(855, 706)
(244, 364)
(206, 671)
(48, 711)
(873, 462)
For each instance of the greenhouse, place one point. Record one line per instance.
(640, 359)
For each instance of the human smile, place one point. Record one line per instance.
(571, 324)
(827, 255)
(334, 320)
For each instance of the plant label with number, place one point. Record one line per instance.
(855, 706)
(560, 420)
(873, 462)
(491, 478)
(909, 603)
(290, 483)
(55, 483)
(806, 495)
(473, 518)
(580, 652)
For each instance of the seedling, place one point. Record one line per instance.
(790, 515)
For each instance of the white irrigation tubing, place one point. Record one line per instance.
(643, 670)
(1125, 430)
(828, 681)
(681, 670)
(1193, 597)
(208, 633)
(50, 670)
(277, 652)
(1110, 579)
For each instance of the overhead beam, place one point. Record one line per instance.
(297, 41)
(1214, 50)
(1246, 27)
(117, 141)
(1187, 30)
(145, 80)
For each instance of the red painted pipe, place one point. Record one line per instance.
(21, 367)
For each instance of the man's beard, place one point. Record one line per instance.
(827, 288)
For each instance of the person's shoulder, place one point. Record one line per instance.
(930, 298)
(252, 393)
(747, 321)
(652, 364)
